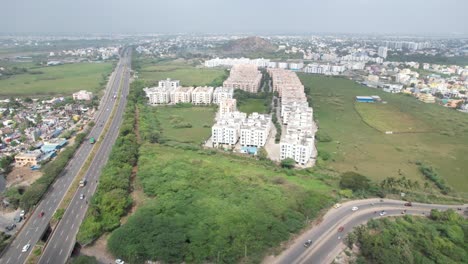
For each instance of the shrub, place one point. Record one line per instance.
(354, 181)
(288, 163)
(323, 137)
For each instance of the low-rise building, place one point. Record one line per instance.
(182, 95)
(221, 93)
(83, 95)
(29, 158)
(158, 95)
(168, 83)
(226, 131)
(297, 147)
(254, 130)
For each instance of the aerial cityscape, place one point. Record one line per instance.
(234, 132)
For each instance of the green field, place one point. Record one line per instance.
(204, 206)
(56, 80)
(188, 74)
(173, 118)
(253, 105)
(387, 117)
(356, 146)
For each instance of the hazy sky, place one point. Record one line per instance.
(234, 16)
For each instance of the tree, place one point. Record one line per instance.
(288, 163)
(354, 181)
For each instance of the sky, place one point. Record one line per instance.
(235, 16)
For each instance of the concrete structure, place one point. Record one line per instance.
(254, 130)
(221, 93)
(158, 95)
(244, 77)
(382, 52)
(202, 95)
(427, 98)
(83, 95)
(227, 129)
(227, 106)
(168, 83)
(297, 147)
(182, 95)
(30, 158)
(365, 99)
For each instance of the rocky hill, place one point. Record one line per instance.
(248, 45)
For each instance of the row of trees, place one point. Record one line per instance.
(111, 200)
(33, 194)
(441, 238)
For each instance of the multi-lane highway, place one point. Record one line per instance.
(35, 226)
(327, 241)
(62, 241)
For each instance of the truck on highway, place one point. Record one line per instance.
(82, 182)
(92, 140)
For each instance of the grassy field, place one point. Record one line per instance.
(56, 80)
(387, 117)
(253, 105)
(356, 146)
(188, 74)
(200, 118)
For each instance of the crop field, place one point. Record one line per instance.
(188, 75)
(387, 117)
(56, 80)
(356, 146)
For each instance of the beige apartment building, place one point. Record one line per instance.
(202, 95)
(182, 95)
(227, 106)
(244, 77)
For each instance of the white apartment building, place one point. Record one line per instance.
(158, 95)
(83, 95)
(168, 83)
(254, 130)
(221, 93)
(227, 106)
(202, 95)
(244, 77)
(382, 52)
(226, 130)
(182, 95)
(300, 112)
(299, 148)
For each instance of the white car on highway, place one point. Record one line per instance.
(355, 208)
(383, 213)
(336, 206)
(26, 247)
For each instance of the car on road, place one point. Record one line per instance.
(308, 243)
(41, 214)
(408, 204)
(17, 219)
(26, 247)
(355, 208)
(383, 213)
(336, 206)
(22, 213)
(10, 227)
(119, 261)
(81, 196)
(341, 229)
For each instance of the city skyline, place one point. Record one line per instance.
(419, 17)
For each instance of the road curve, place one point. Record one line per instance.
(328, 242)
(34, 228)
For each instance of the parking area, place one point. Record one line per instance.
(7, 218)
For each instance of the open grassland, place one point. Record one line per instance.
(182, 124)
(205, 206)
(253, 105)
(387, 117)
(356, 146)
(56, 80)
(188, 74)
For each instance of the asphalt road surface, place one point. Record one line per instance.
(61, 243)
(35, 226)
(327, 241)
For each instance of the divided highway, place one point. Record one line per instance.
(36, 226)
(327, 241)
(61, 243)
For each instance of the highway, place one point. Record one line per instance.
(34, 228)
(327, 242)
(60, 245)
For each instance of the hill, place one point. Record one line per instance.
(248, 45)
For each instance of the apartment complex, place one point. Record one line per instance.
(168, 83)
(244, 77)
(227, 106)
(225, 132)
(202, 95)
(222, 93)
(297, 141)
(254, 130)
(182, 95)
(158, 95)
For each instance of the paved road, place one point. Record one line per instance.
(36, 226)
(62, 241)
(327, 241)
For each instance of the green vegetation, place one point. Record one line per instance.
(59, 214)
(441, 238)
(355, 146)
(111, 200)
(56, 80)
(4, 240)
(438, 59)
(185, 124)
(51, 171)
(5, 163)
(434, 177)
(253, 102)
(84, 260)
(153, 71)
(288, 163)
(204, 206)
